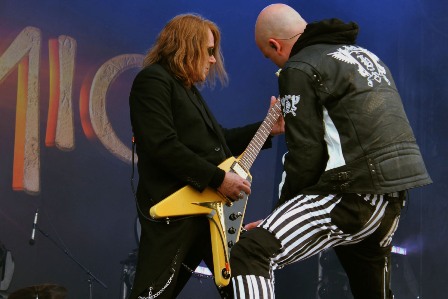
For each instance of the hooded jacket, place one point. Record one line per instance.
(346, 129)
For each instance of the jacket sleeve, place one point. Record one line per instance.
(307, 156)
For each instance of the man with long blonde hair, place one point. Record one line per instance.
(179, 143)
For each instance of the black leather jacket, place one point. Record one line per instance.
(346, 129)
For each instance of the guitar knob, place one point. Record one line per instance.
(231, 230)
(225, 273)
(234, 216)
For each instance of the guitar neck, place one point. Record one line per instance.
(247, 158)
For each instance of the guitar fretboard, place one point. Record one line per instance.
(255, 145)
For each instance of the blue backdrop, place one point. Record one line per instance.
(65, 74)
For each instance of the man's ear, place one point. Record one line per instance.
(274, 44)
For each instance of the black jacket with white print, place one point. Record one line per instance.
(346, 129)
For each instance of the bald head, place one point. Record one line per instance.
(278, 21)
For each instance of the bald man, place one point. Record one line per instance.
(351, 157)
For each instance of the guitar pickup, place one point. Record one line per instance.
(239, 170)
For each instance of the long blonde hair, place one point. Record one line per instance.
(182, 47)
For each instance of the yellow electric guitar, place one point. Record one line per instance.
(225, 216)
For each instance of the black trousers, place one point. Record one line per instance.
(168, 252)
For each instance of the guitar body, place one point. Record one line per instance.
(225, 219)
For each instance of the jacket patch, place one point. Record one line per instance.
(289, 104)
(368, 63)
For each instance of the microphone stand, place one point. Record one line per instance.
(92, 278)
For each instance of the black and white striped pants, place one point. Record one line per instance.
(359, 227)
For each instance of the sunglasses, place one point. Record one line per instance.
(211, 51)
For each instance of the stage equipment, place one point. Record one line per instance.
(33, 232)
(128, 273)
(91, 277)
(333, 282)
(44, 291)
(6, 267)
